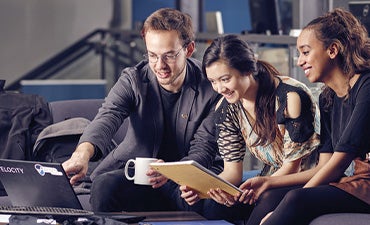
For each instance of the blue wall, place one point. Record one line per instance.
(141, 9)
(56, 90)
(235, 13)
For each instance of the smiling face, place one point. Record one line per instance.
(314, 59)
(229, 82)
(170, 75)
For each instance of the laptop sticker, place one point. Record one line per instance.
(42, 170)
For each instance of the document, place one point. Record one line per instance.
(195, 176)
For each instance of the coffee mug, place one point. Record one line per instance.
(141, 166)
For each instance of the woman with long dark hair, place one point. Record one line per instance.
(274, 117)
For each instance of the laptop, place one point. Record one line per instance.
(31, 184)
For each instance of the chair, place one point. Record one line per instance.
(86, 108)
(66, 109)
(342, 219)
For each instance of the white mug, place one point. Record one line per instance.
(141, 166)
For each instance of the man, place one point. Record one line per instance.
(169, 104)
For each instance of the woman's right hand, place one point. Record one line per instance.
(189, 195)
(222, 197)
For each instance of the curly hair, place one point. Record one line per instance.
(343, 28)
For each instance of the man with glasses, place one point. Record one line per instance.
(169, 104)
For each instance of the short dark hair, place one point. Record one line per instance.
(170, 19)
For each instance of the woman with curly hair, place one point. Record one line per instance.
(333, 49)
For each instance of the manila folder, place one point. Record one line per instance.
(195, 176)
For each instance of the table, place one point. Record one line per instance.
(149, 216)
(168, 216)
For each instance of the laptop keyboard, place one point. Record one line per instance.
(40, 210)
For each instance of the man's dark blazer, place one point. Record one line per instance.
(136, 96)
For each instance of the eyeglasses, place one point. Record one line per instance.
(167, 58)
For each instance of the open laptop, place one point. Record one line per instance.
(44, 184)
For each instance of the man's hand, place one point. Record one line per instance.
(156, 179)
(77, 165)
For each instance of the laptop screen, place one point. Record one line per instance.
(29, 183)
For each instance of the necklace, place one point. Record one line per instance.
(251, 120)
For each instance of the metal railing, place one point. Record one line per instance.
(125, 48)
(105, 43)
